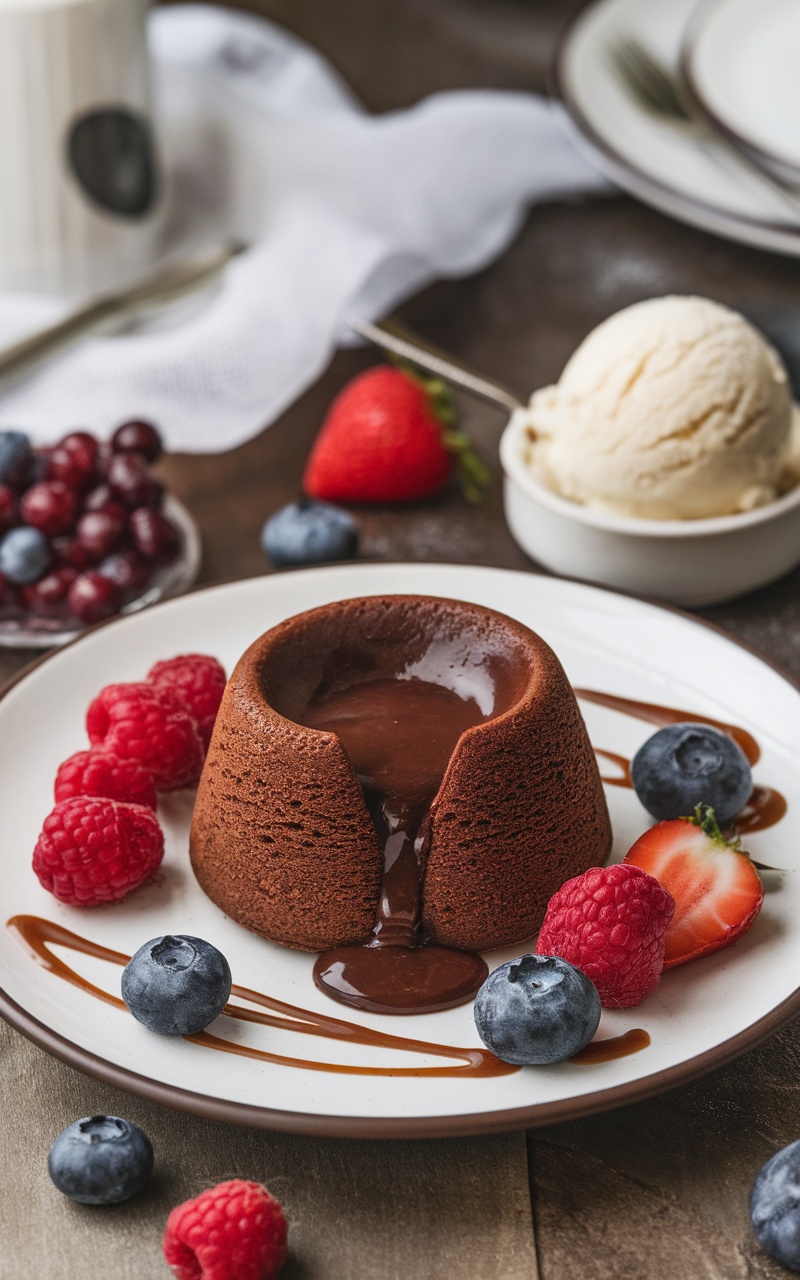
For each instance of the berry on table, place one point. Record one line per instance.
(775, 1207)
(25, 555)
(93, 597)
(176, 985)
(611, 922)
(140, 721)
(716, 888)
(49, 506)
(100, 773)
(234, 1231)
(101, 1160)
(389, 436)
(15, 452)
(536, 1010)
(307, 532)
(93, 851)
(198, 680)
(138, 437)
(684, 765)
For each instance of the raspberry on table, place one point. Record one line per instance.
(199, 681)
(100, 773)
(92, 851)
(612, 926)
(234, 1231)
(140, 721)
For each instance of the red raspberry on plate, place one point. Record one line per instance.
(612, 926)
(199, 681)
(234, 1231)
(93, 851)
(142, 722)
(99, 773)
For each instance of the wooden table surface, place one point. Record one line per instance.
(652, 1190)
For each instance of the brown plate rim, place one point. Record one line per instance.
(317, 1125)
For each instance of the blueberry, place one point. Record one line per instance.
(15, 450)
(101, 1160)
(775, 1207)
(308, 532)
(684, 765)
(25, 555)
(537, 1010)
(176, 985)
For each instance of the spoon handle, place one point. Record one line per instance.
(170, 283)
(395, 339)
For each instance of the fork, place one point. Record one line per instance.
(664, 94)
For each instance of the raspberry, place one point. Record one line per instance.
(99, 773)
(611, 924)
(93, 851)
(199, 681)
(235, 1231)
(142, 722)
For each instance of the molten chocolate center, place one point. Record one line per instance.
(399, 735)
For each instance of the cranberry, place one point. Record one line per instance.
(49, 506)
(153, 536)
(137, 437)
(99, 533)
(127, 571)
(98, 498)
(9, 511)
(83, 448)
(130, 481)
(69, 554)
(69, 467)
(47, 598)
(93, 597)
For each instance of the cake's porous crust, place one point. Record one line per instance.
(281, 837)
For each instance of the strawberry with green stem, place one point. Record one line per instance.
(391, 436)
(716, 888)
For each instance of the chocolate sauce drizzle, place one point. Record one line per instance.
(399, 735)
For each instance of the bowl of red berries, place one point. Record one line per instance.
(87, 531)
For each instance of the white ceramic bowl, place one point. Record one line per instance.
(688, 562)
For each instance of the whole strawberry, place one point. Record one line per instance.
(234, 1231)
(716, 888)
(388, 437)
(611, 923)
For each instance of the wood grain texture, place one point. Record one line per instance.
(356, 1210)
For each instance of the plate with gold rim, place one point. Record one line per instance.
(272, 1068)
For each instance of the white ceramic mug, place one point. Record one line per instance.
(80, 194)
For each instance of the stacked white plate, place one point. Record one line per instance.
(738, 58)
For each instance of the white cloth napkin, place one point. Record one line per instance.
(347, 213)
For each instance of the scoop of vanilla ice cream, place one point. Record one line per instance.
(675, 408)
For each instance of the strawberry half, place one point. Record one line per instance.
(389, 437)
(716, 888)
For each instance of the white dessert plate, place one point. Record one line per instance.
(701, 1016)
(740, 57)
(665, 165)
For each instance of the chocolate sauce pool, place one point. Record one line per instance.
(399, 736)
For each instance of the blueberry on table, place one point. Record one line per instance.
(684, 765)
(101, 1160)
(775, 1207)
(308, 532)
(25, 555)
(176, 985)
(536, 1011)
